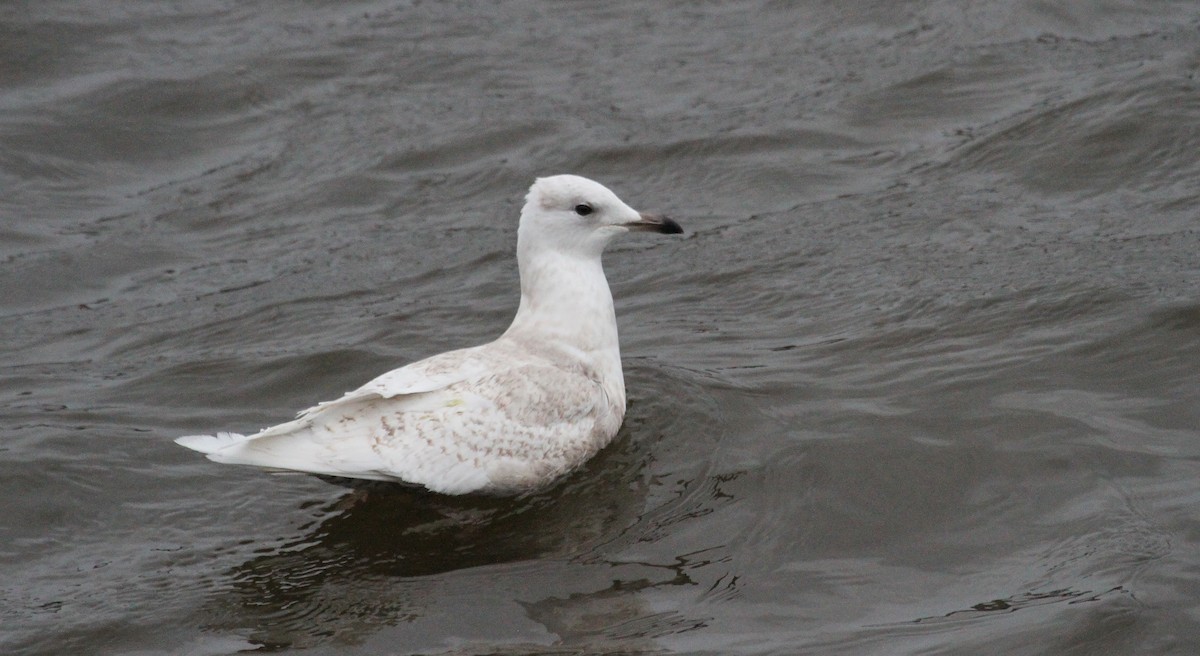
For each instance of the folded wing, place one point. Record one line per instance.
(454, 423)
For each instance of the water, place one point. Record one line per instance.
(920, 379)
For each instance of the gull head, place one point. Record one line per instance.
(572, 215)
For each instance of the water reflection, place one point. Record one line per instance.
(614, 619)
(367, 562)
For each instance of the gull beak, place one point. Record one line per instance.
(654, 223)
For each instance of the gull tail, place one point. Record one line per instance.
(261, 450)
(294, 451)
(210, 444)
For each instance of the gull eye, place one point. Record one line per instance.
(583, 209)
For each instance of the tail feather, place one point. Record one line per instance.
(290, 451)
(211, 443)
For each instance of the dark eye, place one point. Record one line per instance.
(583, 209)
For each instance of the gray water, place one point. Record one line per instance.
(920, 378)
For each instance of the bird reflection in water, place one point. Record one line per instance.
(378, 556)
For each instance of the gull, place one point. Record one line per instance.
(501, 418)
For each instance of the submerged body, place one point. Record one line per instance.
(501, 418)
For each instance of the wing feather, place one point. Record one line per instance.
(459, 422)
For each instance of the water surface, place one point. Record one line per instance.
(921, 377)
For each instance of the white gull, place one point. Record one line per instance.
(501, 418)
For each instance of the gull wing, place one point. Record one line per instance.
(455, 426)
(421, 377)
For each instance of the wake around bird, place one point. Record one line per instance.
(505, 417)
